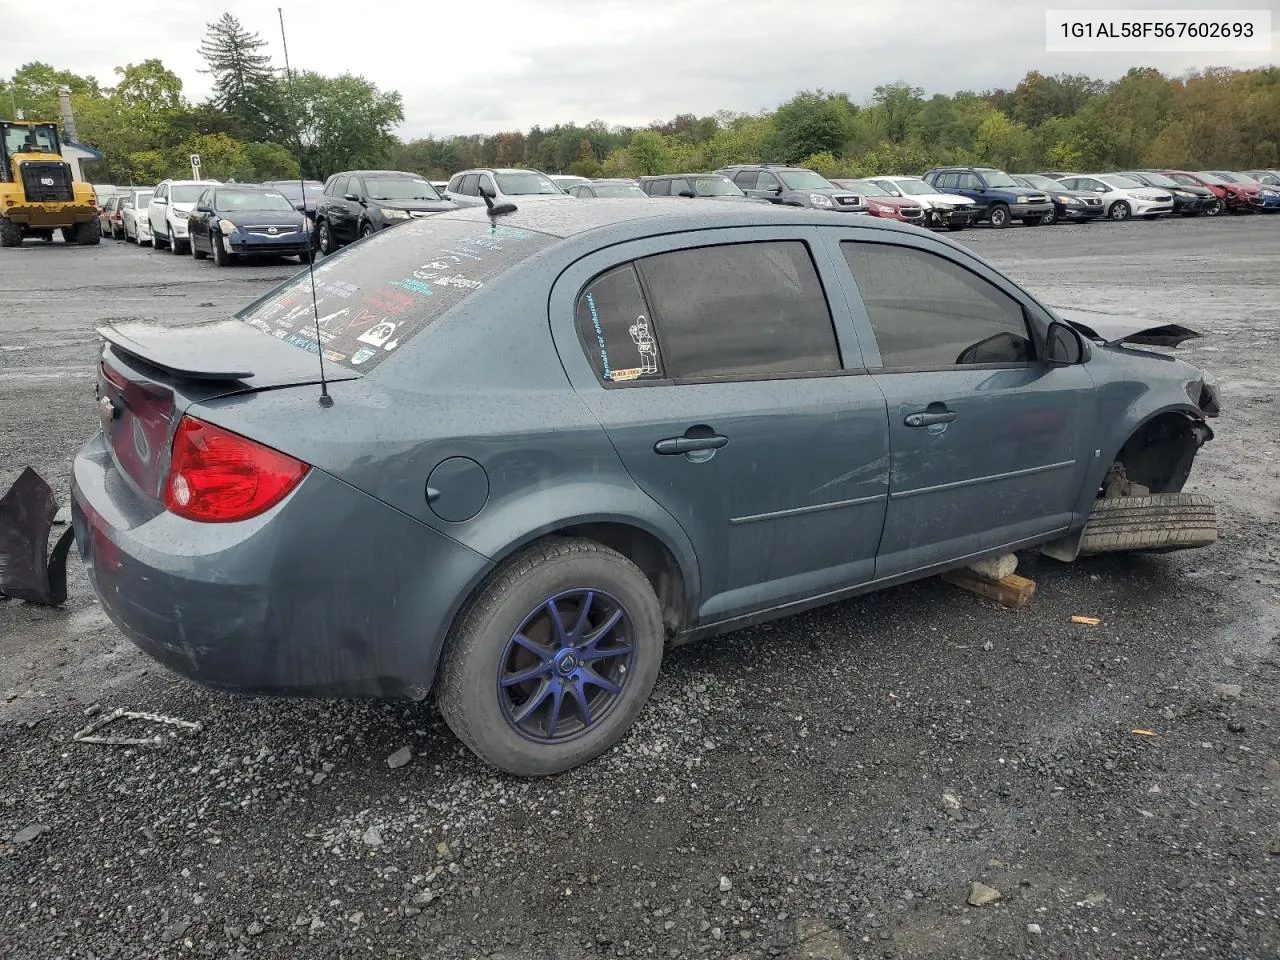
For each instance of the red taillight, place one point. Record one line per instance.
(217, 476)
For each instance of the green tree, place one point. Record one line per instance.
(649, 153)
(34, 89)
(811, 122)
(586, 165)
(901, 104)
(344, 123)
(244, 84)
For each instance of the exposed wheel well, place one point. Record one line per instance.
(648, 553)
(1159, 454)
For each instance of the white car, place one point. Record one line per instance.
(948, 210)
(168, 210)
(133, 215)
(1121, 197)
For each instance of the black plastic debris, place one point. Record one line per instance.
(27, 569)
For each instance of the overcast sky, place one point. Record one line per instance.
(510, 64)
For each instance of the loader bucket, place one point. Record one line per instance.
(27, 570)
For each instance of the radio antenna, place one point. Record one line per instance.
(325, 399)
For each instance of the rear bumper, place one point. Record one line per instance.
(330, 593)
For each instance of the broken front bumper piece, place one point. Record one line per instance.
(28, 571)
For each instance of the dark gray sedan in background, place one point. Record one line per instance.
(556, 442)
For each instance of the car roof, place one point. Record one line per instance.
(676, 176)
(564, 220)
(380, 173)
(504, 170)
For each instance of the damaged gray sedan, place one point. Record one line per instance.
(554, 442)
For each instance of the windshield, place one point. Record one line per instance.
(399, 188)
(293, 189)
(19, 139)
(235, 201)
(378, 294)
(618, 190)
(914, 188)
(804, 180)
(1210, 178)
(186, 192)
(867, 187)
(716, 187)
(1040, 183)
(997, 178)
(1158, 180)
(1245, 178)
(525, 183)
(1122, 183)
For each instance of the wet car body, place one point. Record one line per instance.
(520, 410)
(247, 221)
(1234, 200)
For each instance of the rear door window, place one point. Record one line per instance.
(380, 293)
(339, 188)
(660, 188)
(742, 310)
(613, 323)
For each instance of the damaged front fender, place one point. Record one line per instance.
(28, 571)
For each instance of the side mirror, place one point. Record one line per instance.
(777, 191)
(687, 193)
(203, 208)
(352, 197)
(159, 201)
(1064, 347)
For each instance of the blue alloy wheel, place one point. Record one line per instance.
(565, 667)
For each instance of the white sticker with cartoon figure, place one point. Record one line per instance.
(642, 336)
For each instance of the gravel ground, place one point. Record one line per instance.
(827, 786)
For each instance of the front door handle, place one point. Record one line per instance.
(672, 446)
(929, 419)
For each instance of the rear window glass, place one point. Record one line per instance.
(374, 296)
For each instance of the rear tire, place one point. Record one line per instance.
(1159, 522)
(475, 688)
(88, 234)
(10, 233)
(998, 216)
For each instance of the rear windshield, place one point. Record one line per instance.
(374, 296)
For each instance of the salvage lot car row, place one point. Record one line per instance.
(225, 221)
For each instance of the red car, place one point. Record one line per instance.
(1234, 196)
(881, 204)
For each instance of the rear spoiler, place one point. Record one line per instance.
(219, 350)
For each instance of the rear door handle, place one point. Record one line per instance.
(929, 419)
(672, 446)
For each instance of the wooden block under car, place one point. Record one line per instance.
(1011, 591)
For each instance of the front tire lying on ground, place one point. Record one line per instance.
(553, 659)
(1157, 522)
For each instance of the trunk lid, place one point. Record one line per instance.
(150, 374)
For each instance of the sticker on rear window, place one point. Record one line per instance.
(375, 296)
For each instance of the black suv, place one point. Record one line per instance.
(793, 187)
(358, 203)
(711, 186)
(999, 197)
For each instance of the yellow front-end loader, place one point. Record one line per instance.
(37, 193)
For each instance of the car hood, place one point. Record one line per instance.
(1114, 329)
(428, 206)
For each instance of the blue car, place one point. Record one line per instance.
(240, 220)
